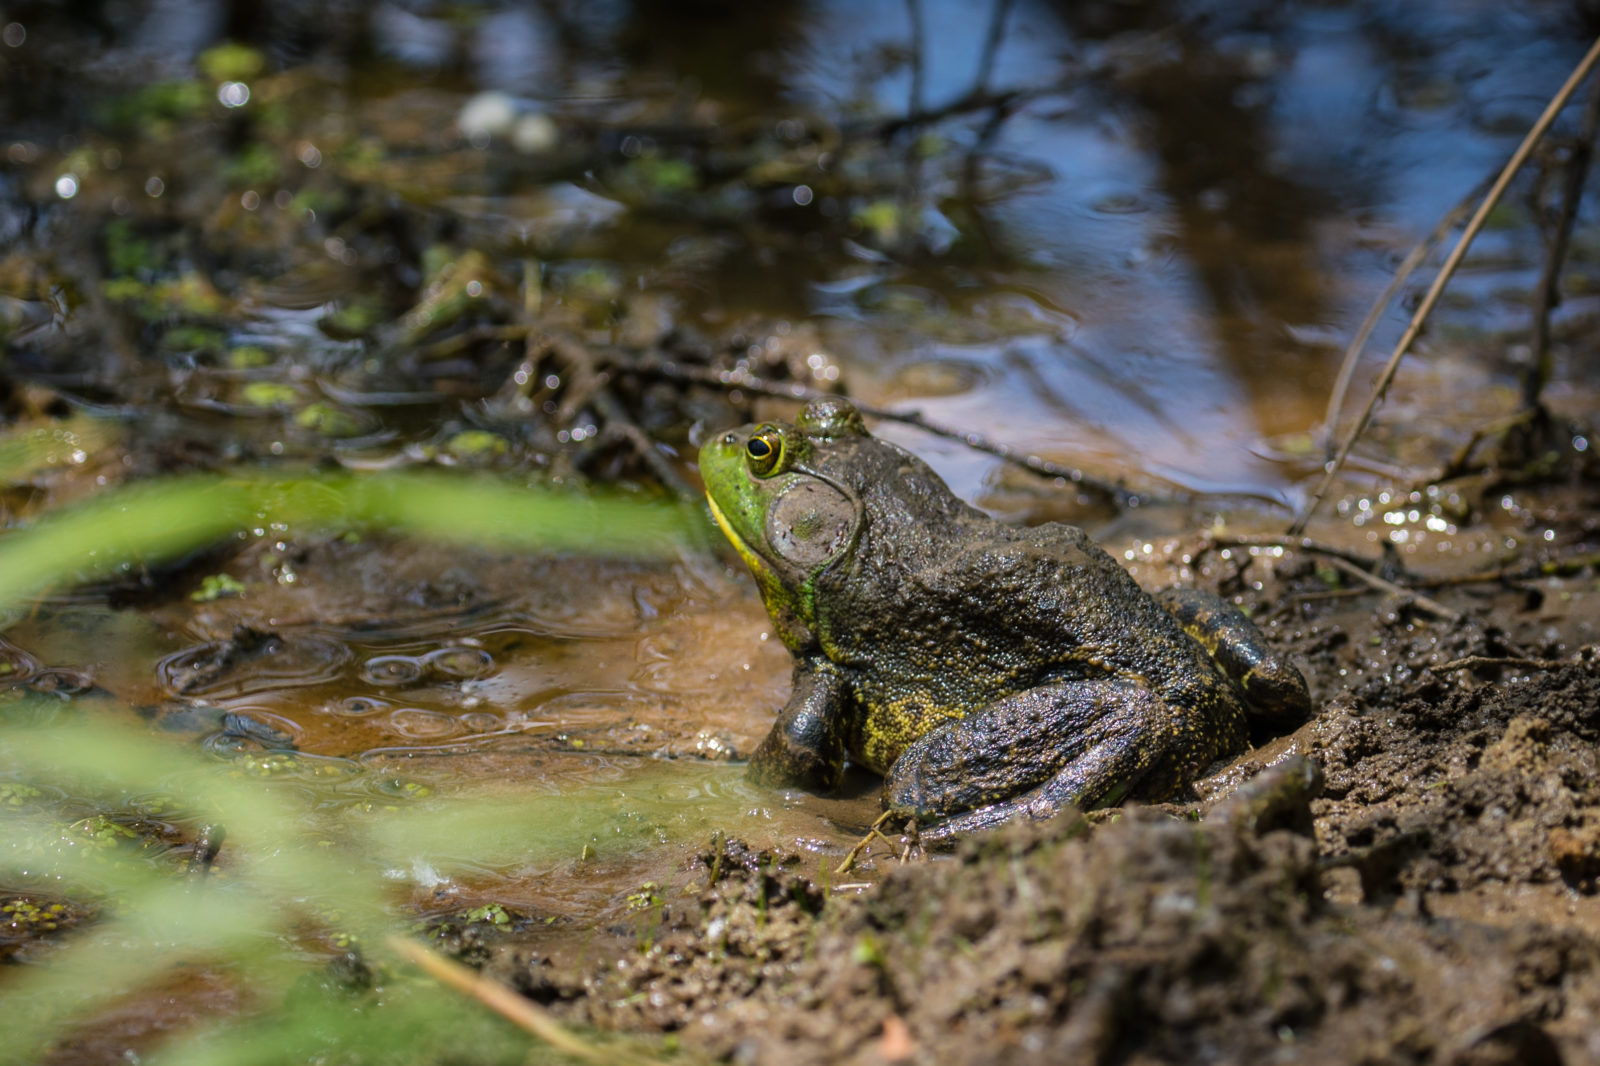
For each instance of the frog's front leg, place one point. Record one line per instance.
(1085, 742)
(806, 744)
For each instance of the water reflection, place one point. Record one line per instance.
(1208, 193)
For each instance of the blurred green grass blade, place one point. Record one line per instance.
(26, 451)
(267, 831)
(41, 851)
(412, 1022)
(661, 801)
(159, 520)
(286, 866)
(489, 512)
(152, 931)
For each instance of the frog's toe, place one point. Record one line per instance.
(1274, 689)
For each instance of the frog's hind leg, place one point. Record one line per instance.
(1029, 755)
(1274, 690)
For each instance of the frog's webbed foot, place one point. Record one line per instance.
(1083, 743)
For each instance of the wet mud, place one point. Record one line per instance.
(1429, 897)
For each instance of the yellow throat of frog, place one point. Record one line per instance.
(752, 560)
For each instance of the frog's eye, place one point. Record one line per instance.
(764, 448)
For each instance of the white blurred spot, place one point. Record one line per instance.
(535, 133)
(486, 115)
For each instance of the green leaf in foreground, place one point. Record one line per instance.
(157, 520)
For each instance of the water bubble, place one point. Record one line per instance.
(392, 670)
(67, 186)
(418, 724)
(462, 662)
(154, 186)
(362, 705)
(233, 94)
(14, 34)
(802, 195)
(482, 722)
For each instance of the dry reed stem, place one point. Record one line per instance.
(1446, 272)
(510, 1005)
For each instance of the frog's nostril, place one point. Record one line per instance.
(729, 438)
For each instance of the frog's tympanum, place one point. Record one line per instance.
(988, 672)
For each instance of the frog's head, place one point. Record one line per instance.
(782, 495)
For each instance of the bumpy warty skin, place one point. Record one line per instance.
(980, 667)
(941, 610)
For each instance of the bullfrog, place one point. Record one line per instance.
(988, 672)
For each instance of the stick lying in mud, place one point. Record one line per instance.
(1426, 603)
(1584, 656)
(874, 832)
(729, 380)
(1346, 562)
(1446, 272)
(506, 1002)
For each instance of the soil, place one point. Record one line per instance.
(1427, 893)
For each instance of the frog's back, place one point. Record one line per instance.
(948, 617)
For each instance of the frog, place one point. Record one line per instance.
(989, 672)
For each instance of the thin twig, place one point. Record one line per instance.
(506, 1002)
(1426, 603)
(979, 101)
(861, 845)
(1457, 464)
(1523, 572)
(1548, 295)
(914, 14)
(991, 45)
(584, 375)
(1471, 661)
(731, 380)
(1358, 343)
(1362, 569)
(1446, 272)
(909, 200)
(457, 343)
(1305, 544)
(617, 421)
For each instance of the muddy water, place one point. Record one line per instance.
(1148, 272)
(608, 697)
